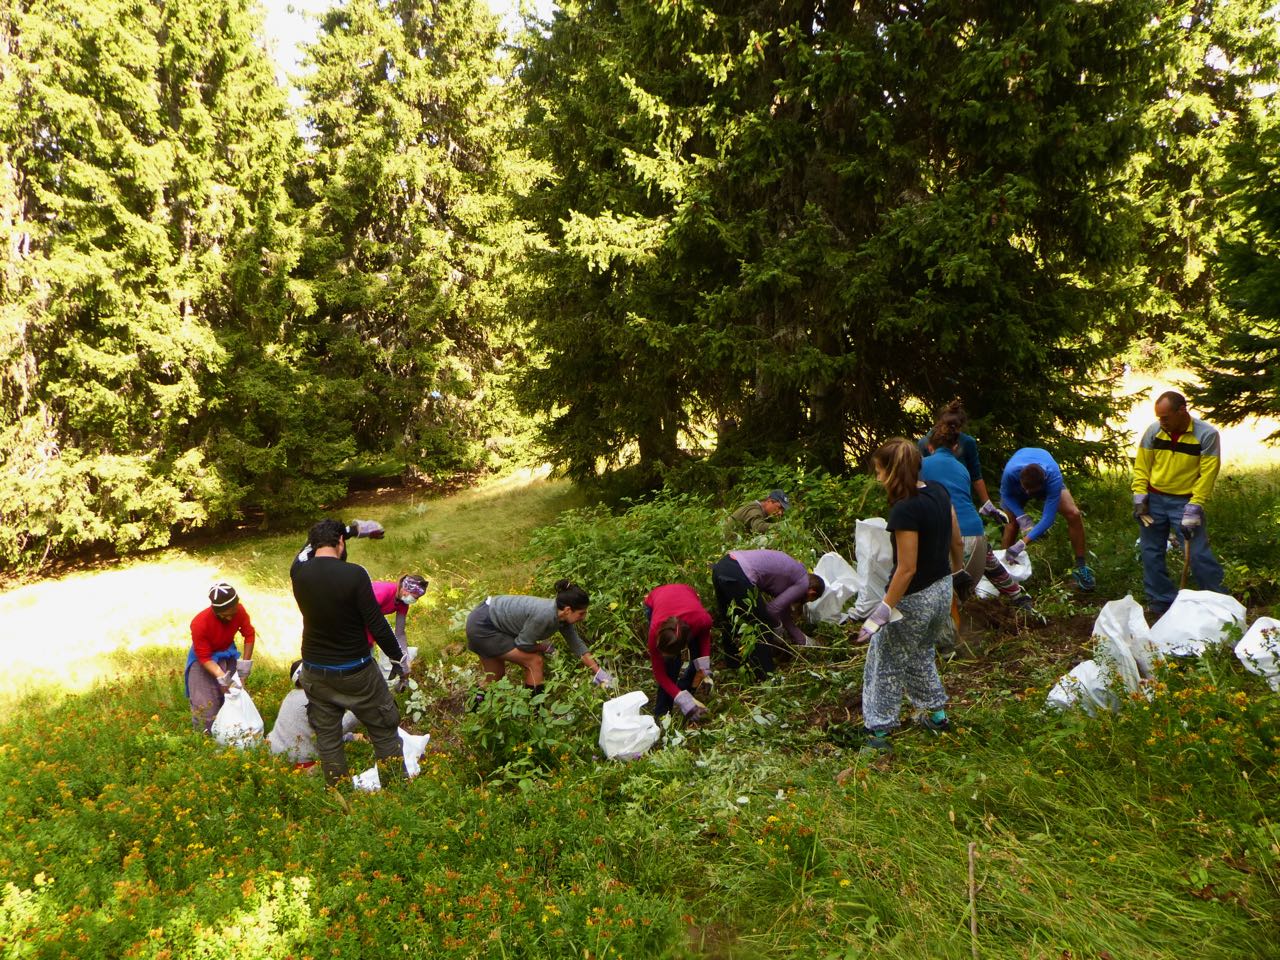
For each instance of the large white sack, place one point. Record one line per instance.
(1086, 686)
(238, 723)
(1122, 622)
(842, 586)
(412, 747)
(873, 552)
(1194, 620)
(1259, 650)
(625, 732)
(1019, 570)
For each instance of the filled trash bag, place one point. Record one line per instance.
(625, 732)
(1259, 650)
(873, 552)
(1196, 619)
(238, 723)
(1087, 686)
(1122, 623)
(413, 747)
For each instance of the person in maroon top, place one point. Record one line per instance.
(678, 620)
(214, 660)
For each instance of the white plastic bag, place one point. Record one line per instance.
(842, 586)
(238, 723)
(625, 732)
(1259, 650)
(873, 552)
(1121, 623)
(1194, 620)
(1019, 571)
(412, 746)
(1086, 686)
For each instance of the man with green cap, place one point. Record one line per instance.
(755, 517)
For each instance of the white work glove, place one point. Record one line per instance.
(243, 669)
(370, 529)
(990, 511)
(693, 710)
(879, 617)
(703, 664)
(226, 680)
(406, 662)
(603, 678)
(1024, 523)
(1016, 550)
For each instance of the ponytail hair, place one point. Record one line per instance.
(569, 594)
(899, 461)
(946, 431)
(954, 408)
(673, 636)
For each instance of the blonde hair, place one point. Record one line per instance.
(899, 460)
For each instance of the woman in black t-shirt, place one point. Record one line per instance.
(906, 625)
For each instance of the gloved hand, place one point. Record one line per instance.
(962, 584)
(1024, 523)
(693, 710)
(226, 680)
(1016, 550)
(603, 678)
(1192, 518)
(879, 617)
(703, 664)
(1141, 511)
(406, 663)
(243, 669)
(371, 529)
(989, 511)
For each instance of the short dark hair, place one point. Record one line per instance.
(1174, 397)
(569, 594)
(817, 585)
(326, 533)
(1032, 477)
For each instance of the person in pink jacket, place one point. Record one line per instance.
(396, 596)
(678, 621)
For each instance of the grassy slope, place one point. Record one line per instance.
(122, 834)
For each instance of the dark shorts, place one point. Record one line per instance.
(483, 638)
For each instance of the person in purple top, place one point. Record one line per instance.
(1033, 474)
(758, 588)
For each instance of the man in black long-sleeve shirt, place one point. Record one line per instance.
(338, 674)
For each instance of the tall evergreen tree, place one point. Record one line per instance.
(408, 223)
(129, 200)
(820, 219)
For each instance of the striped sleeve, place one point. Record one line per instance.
(1210, 462)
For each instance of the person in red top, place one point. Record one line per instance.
(678, 620)
(396, 596)
(213, 660)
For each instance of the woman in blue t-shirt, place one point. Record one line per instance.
(916, 610)
(943, 466)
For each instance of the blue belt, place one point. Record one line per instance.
(338, 668)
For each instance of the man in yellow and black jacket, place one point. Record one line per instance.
(1173, 475)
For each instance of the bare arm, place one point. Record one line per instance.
(957, 544)
(908, 546)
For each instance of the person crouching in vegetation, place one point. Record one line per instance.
(758, 588)
(755, 517)
(213, 648)
(916, 610)
(678, 621)
(943, 466)
(396, 596)
(516, 629)
(292, 734)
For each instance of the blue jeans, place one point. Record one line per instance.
(1166, 511)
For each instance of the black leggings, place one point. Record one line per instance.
(740, 602)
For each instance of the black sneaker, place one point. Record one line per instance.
(875, 745)
(935, 726)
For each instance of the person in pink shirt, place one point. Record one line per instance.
(678, 620)
(396, 596)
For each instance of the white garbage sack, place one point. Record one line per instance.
(238, 723)
(1195, 619)
(873, 552)
(842, 586)
(412, 747)
(1019, 570)
(1087, 686)
(1121, 623)
(625, 732)
(1259, 650)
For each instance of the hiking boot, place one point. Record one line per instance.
(1085, 581)
(938, 726)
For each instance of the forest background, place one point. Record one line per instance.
(649, 241)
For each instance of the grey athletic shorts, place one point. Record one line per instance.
(483, 638)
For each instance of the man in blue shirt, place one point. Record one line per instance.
(1032, 473)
